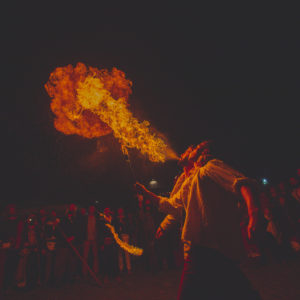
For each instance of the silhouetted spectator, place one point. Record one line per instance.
(123, 229)
(29, 266)
(91, 241)
(11, 233)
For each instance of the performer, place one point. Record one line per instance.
(208, 193)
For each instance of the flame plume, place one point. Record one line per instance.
(93, 103)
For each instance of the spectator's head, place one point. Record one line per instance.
(267, 212)
(273, 191)
(42, 212)
(53, 214)
(72, 208)
(92, 210)
(298, 172)
(107, 211)
(82, 211)
(293, 181)
(281, 187)
(282, 201)
(11, 208)
(120, 212)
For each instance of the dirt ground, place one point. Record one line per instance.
(274, 281)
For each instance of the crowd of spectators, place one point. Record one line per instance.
(280, 206)
(54, 248)
(60, 246)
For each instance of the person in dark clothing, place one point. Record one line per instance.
(29, 266)
(282, 220)
(92, 238)
(123, 229)
(65, 259)
(48, 248)
(11, 234)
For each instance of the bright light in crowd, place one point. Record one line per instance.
(153, 184)
(264, 181)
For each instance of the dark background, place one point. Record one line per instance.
(226, 73)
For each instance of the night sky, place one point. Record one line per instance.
(230, 74)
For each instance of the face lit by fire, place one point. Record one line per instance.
(184, 158)
(193, 154)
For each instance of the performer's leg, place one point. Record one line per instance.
(210, 275)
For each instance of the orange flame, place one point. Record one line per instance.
(92, 103)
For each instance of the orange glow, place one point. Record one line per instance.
(129, 248)
(93, 103)
(70, 117)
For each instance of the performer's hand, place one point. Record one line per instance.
(140, 188)
(159, 233)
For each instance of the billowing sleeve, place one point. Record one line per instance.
(224, 175)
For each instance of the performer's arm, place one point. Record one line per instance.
(165, 205)
(168, 222)
(252, 209)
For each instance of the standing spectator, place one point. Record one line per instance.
(42, 221)
(49, 246)
(11, 233)
(80, 235)
(122, 227)
(295, 188)
(29, 262)
(288, 204)
(66, 259)
(92, 237)
(281, 219)
(147, 226)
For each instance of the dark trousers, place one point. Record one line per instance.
(209, 275)
(110, 261)
(47, 266)
(2, 265)
(11, 261)
(64, 266)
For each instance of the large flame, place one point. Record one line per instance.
(92, 103)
